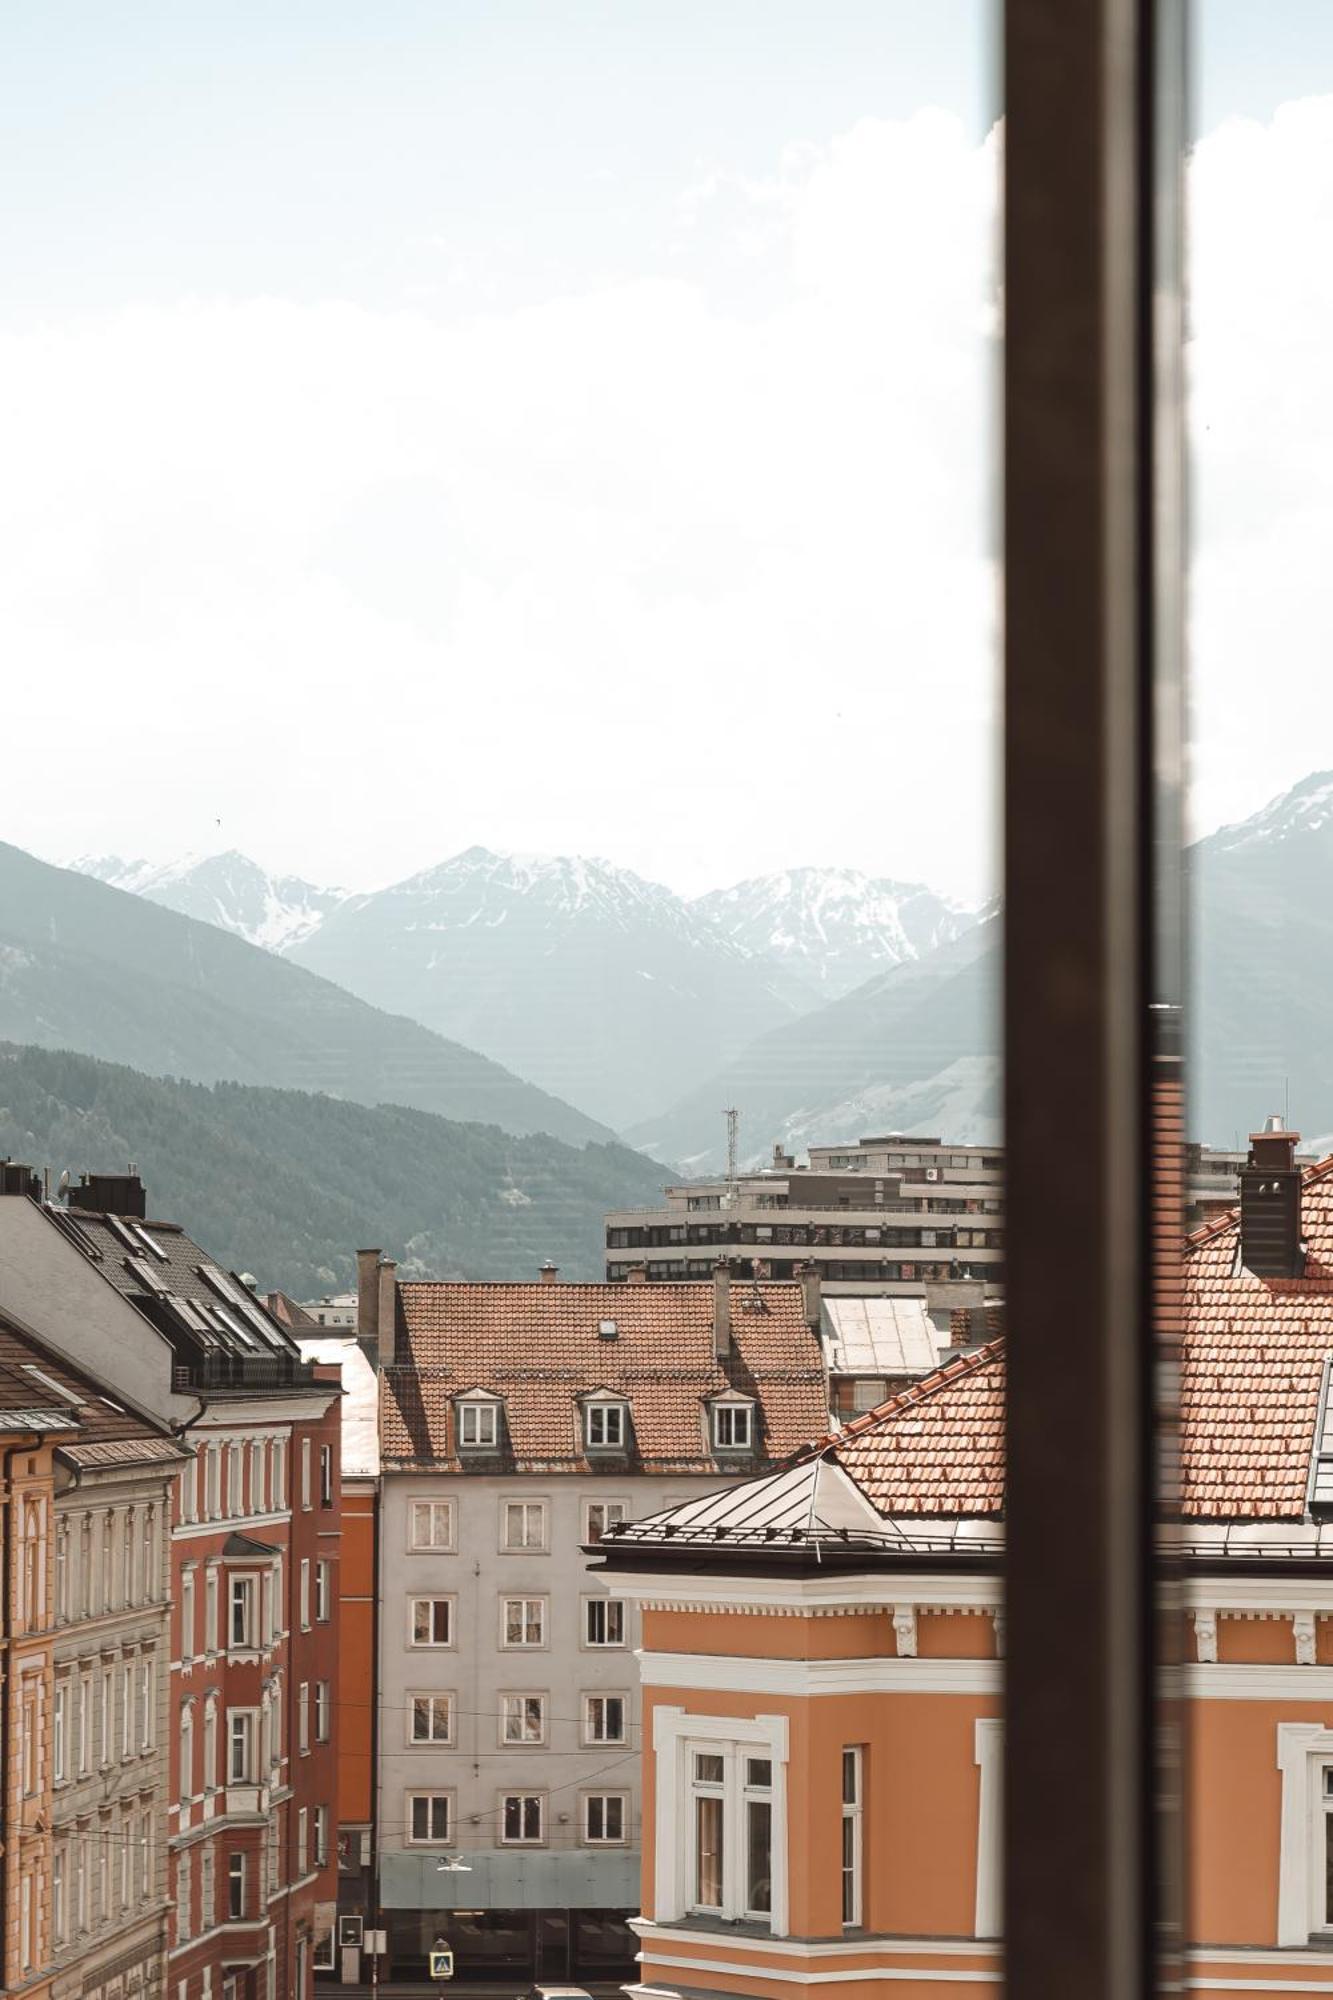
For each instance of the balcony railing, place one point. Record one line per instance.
(249, 1372)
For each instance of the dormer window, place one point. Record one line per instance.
(606, 1425)
(733, 1425)
(478, 1423)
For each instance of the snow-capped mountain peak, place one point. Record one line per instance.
(1303, 809)
(228, 890)
(836, 926)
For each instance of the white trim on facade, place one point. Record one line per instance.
(675, 1731)
(951, 1976)
(1300, 1746)
(1258, 1683)
(847, 1593)
(741, 1674)
(989, 1740)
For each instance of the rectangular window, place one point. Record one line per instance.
(127, 1711)
(235, 1468)
(431, 1620)
(431, 1524)
(279, 1471)
(302, 1840)
(321, 1836)
(851, 1836)
(604, 1819)
(105, 1707)
(59, 1918)
(732, 1426)
(478, 1427)
(146, 1859)
(305, 1474)
(523, 1718)
(323, 1710)
(603, 1621)
(235, 1886)
(709, 1804)
(241, 1611)
(730, 1828)
(599, 1515)
(211, 1611)
(184, 1913)
(604, 1718)
(60, 1734)
(524, 1524)
(85, 1725)
(326, 1475)
(62, 1572)
(240, 1747)
(145, 1705)
(428, 1817)
(303, 1719)
(305, 1593)
(605, 1426)
(323, 1592)
(523, 1622)
(522, 1818)
(430, 1718)
(187, 1619)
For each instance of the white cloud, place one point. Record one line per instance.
(1261, 218)
(624, 571)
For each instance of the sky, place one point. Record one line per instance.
(569, 427)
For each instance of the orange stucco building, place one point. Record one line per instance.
(823, 1663)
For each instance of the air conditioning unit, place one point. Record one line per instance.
(932, 1173)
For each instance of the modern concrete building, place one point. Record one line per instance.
(891, 1214)
(518, 1422)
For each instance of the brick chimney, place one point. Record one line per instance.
(387, 1311)
(549, 1272)
(376, 1306)
(1272, 1243)
(721, 1310)
(112, 1194)
(808, 1274)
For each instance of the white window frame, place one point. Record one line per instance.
(323, 1711)
(594, 1602)
(853, 1818)
(326, 1475)
(431, 1799)
(606, 1407)
(478, 1414)
(323, 1590)
(508, 1645)
(1303, 1751)
(677, 1735)
(187, 1617)
(60, 1732)
(590, 1706)
(604, 1505)
(731, 1411)
(432, 1645)
(591, 1839)
(246, 1733)
(522, 1839)
(527, 1511)
(236, 1879)
(242, 1590)
(321, 1836)
(307, 1475)
(430, 1543)
(439, 1705)
(303, 1721)
(304, 1593)
(519, 1728)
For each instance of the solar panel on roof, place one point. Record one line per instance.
(236, 1327)
(121, 1232)
(146, 1275)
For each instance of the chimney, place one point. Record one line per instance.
(721, 1310)
(368, 1300)
(18, 1178)
(112, 1194)
(637, 1274)
(1271, 1240)
(387, 1312)
(809, 1277)
(549, 1272)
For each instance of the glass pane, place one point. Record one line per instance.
(708, 1769)
(708, 1853)
(758, 1772)
(758, 1855)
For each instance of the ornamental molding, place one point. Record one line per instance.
(1205, 1636)
(741, 1674)
(904, 1631)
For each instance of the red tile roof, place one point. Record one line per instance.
(1252, 1365)
(938, 1447)
(538, 1347)
(103, 1432)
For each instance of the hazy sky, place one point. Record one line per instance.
(567, 427)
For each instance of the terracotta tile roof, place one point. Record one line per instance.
(538, 1346)
(101, 1432)
(938, 1447)
(1252, 1365)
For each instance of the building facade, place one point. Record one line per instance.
(518, 1423)
(884, 1214)
(823, 1740)
(253, 1551)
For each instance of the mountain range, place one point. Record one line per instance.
(88, 967)
(607, 990)
(287, 1183)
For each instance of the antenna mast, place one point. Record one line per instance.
(733, 1118)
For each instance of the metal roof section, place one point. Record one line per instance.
(360, 1399)
(878, 1336)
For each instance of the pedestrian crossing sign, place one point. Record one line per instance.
(441, 1962)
